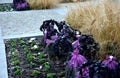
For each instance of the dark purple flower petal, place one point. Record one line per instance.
(78, 75)
(54, 37)
(110, 62)
(75, 44)
(77, 59)
(48, 41)
(20, 5)
(85, 72)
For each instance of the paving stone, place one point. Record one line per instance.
(25, 22)
(5, 1)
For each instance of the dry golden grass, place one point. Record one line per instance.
(103, 22)
(84, 17)
(72, 0)
(43, 4)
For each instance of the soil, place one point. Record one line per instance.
(20, 48)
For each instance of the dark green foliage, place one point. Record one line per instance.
(36, 72)
(50, 75)
(30, 57)
(6, 7)
(46, 66)
(17, 71)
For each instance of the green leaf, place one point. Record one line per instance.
(50, 75)
(35, 72)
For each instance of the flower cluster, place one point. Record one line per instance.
(20, 5)
(77, 60)
(64, 40)
(87, 46)
(81, 68)
(112, 66)
(59, 35)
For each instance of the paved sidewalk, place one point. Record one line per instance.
(25, 22)
(5, 1)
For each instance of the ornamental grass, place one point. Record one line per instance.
(103, 22)
(43, 4)
(72, 0)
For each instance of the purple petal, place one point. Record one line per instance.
(75, 44)
(48, 41)
(78, 75)
(77, 36)
(110, 62)
(77, 59)
(76, 52)
(55, 37)
(85, 72)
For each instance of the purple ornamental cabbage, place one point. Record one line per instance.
(20, 5)
(110, 62)
(77, 59)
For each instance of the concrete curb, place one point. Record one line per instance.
(3, 62)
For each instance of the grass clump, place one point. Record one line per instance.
(103, 22)
(43, 4)
(72, 0)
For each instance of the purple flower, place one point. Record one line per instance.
(20, 5)
(110, 62)
(78, 36)
(77, 59)
(54, 37)
(75, 44)
(48, 41)
(78, 75)
(85, 72)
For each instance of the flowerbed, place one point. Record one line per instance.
(61, 52)
(6, 8)
(25, 59)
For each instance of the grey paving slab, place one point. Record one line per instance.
(15, 23)
(3, 64)
(5, 1)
